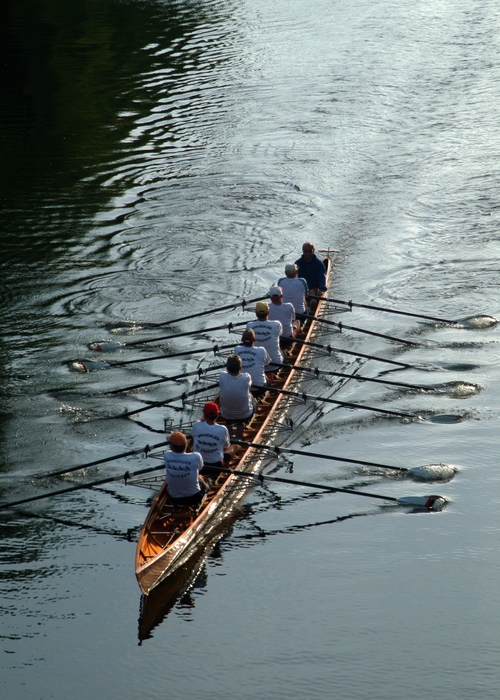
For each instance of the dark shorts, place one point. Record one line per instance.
(192, 500)
(238, 420)
(259, 391)
(211, 468)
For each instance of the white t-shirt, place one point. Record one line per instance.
(285, 313)
(268, 336)
(182, 469)
(254, 359)
(294, 292)
(210, 441)
(234, 396)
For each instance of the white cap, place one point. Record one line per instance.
(275, 292)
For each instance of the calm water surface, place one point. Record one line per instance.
(161, 158)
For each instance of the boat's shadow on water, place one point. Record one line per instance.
(175, 590)
(156, 606)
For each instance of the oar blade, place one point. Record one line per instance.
(431, 503)
(88, 366)
(106, 346)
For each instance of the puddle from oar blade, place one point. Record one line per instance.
(445, 418)
(451, 366)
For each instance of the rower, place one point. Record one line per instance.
(185, 485)
(254, 361)
(211, 440)
(236, 402)
(284, 313)
(295, 289)
(313, 270)
(267, 333)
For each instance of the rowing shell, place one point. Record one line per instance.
(172, 533)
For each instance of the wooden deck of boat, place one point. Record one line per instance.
(170, 533)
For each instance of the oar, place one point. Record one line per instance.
(156, 404)
(200, 372)
(67, 470)
(346, 404)
(350, 304)
(79, 487)
(427, 472)
(106, 346)
(317, 372)
(341, 326)
(242, 303)
(86, 365)
(430, 502)
(329, 349)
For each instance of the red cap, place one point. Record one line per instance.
(211, 410)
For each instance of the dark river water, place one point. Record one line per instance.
(159, 159)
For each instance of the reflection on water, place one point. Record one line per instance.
(155, 607)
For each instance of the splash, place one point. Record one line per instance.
(478, 322)
(434, 472)
(462, 390)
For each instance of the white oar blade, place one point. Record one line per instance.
(478, 321)
(88, 366)
(433, 472)
(107, 346)
(428, 502)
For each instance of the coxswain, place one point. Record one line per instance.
(294, 289)
(185, 485)
(267, 333)
(236, 402)
(211, 440)
(284, 313)
(254, 360)
(313, 270)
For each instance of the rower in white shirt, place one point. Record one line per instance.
(254, 361)
(236, 402)
(267, 333)
(294, 289)
(284, 313)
